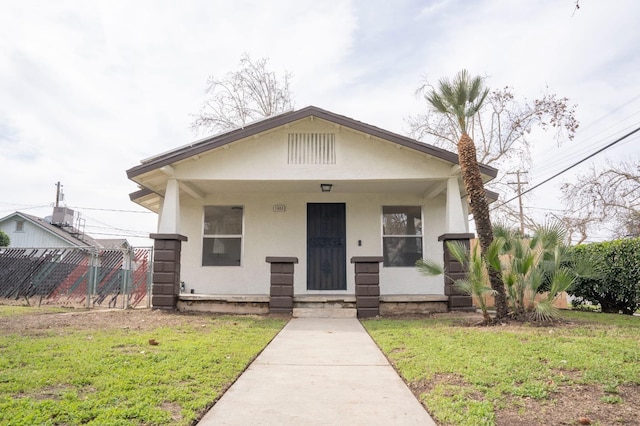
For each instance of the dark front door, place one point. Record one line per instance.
(326, 248)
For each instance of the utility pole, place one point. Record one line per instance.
(58, 193)
(519, 184)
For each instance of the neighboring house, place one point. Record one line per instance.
(25, 230)
(114, 243)
(339, 208)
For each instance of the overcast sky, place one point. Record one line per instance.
(89, 88)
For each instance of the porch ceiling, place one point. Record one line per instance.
(429, 188)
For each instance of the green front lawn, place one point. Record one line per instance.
(157, 369)
(498, 375)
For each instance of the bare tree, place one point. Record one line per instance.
(577, 227)
(501, 131)
(242, 96)
(607, 196)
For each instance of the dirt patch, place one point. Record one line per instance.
(426, 386)
(569, 405)
(41, 322)
(174, 409)
(574, 405)
(50, 392)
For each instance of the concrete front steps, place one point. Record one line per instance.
(325, 313)
(324, 306)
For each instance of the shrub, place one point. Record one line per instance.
(4, 239)
(616, 286)
(527, 263)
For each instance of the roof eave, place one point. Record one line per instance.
(219, 140)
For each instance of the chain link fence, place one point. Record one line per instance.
(81, 277)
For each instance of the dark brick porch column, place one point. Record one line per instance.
(281, 291)
(166, 270)
(458, 301)
(367, 285)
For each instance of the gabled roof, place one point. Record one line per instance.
(83, 240)
(113, 243)
(273, 122)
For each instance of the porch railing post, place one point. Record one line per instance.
(281, 288)
(166, 270)
(367, 270)
(458, 301)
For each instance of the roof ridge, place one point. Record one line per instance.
(276, 121)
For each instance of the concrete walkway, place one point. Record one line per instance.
(319, 371)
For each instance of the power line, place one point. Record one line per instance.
(545, 208)
(584, 147)
(572, 166)
(28, 206)
(107, 226)
(121, 235)
(575, 152)
(23, 208)
(111, 210)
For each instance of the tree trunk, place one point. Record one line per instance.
(480, 210)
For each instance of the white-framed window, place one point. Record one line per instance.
(401, 235)
(19, 226)
(222, 236)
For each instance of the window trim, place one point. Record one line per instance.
(240, 236)
(19, 225)
(383, 235)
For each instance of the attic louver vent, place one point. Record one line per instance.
(312, 148)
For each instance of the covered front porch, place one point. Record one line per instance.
(337, 195)
(365, 301)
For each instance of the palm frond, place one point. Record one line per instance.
(459, 251)
(429, 268)
(493, 253)
(562, 280)
(475, 86)
(464, 286)
(461, 97)
(437, 102)
(545, 311)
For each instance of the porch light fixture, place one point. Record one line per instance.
(326, 187)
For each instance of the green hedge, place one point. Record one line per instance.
(616, 284)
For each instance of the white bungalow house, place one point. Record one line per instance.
(304, 209)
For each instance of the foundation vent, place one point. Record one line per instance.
(312, 148)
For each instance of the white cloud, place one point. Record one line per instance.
(87, 89)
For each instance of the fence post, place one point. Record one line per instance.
(127, 255)
(90, 277)
(149, 276)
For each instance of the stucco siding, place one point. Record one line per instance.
(357, 158)
(269, 233)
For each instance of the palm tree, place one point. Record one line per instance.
(530, 264)
(476, 281)
(460, 100)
